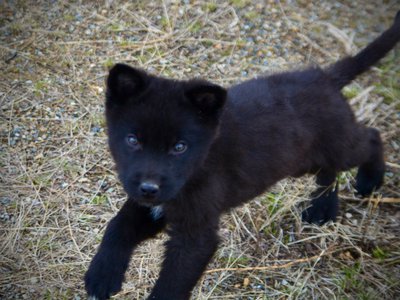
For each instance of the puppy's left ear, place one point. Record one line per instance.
(206, 97)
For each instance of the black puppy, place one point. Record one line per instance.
(188, 151)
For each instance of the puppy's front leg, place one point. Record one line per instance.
(186, 257)
(127, 229)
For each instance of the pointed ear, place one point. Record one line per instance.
(124, 82)
(206, 97)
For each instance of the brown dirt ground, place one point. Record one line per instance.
(58, 186)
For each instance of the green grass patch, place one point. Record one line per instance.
(379, 253)
(85, 218)
(165, 23)
(98, 119)
(195, 27)
(233, 261)
(352, 282)
(210, 7)
(99, 200)
(16, 28)
(351, 91)
(108, 63)
(42, 180)
(61, 294)
(273, 230)
(68, 18)
(388, 85)
(342, 177)
(71, 170)
(251, 15)
(348, 279)
(239, 3)
(116, 27)
(389, 94)
(124, 43)
(227, 51)
(40, 87)
(207, 43)
(273, 202)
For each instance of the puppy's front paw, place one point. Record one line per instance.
(324, 208)
(314, 215)
(104, 277)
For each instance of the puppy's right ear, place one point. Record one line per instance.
(125, 82)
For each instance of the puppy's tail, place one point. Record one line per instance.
(345, 70)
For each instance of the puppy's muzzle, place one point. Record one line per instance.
(149, 189)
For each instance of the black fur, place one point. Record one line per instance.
(196, 150)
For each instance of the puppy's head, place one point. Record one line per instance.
(160, 130)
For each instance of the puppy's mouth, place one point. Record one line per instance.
(148, 202)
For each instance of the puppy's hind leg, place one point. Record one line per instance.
(325, 202)
(371, 171)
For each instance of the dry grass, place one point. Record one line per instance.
(58, 186)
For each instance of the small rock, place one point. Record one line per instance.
(34, 280)
(395, 145)
(246, 282)
(259, 287)
(5, 200)
(78, 17)
(96, 129)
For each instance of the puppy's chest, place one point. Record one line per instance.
(157, 212)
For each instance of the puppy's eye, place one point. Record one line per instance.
(179, 147)
(132, 140)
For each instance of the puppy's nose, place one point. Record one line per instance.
(149, 189)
